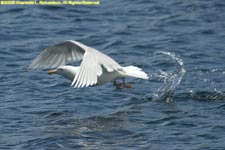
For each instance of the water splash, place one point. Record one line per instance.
(171, 79)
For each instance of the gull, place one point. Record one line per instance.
(96, 68)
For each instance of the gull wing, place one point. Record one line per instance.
(59, 54)
(91, 68)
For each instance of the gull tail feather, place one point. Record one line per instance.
(136, 72)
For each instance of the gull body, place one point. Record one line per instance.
(95, 69)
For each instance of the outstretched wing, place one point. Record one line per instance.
(59, 54)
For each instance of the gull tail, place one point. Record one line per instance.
(136, 72)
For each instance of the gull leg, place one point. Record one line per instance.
(127, 85)
(117, 85)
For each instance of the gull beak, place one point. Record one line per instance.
(52, 72)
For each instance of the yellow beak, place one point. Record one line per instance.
(51, 71)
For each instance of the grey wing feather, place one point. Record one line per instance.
(59, 55)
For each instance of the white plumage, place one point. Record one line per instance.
(96, 68)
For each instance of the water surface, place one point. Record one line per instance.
(180, 44)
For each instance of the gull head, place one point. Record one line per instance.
(67, 71)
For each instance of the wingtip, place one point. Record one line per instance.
(31, 66)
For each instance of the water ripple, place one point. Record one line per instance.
(180, 44)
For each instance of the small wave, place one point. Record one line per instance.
(14, 10)
(52, 7)
(206, 95)
(112, 43)
(196, 96)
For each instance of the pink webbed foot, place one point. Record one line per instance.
(117, 85)
(127, 85)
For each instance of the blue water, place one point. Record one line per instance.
(180, 44)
